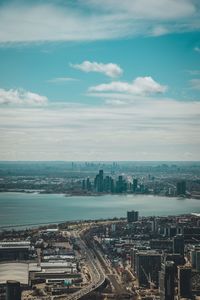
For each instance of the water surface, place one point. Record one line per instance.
(22, 208)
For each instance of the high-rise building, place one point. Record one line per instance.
(132, 216)
(13, 290)
(181, 188)
(178, 244)
(135, 184)
(121, 185)
(100, 186)
(184, 282)
(88, 184)
(167, 281)
(147, 267)
(98, 182)
(83, 184)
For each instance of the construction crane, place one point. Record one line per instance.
(148, 277)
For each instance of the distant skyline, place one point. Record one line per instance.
(102, 80)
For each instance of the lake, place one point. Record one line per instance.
(22, 208)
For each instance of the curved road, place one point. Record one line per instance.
(97, 274)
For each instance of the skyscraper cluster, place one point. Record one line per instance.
(107, 184)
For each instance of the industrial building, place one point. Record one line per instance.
(14, 250)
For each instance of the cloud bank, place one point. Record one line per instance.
(144, 130)
(89, 20)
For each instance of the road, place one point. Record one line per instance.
(97, 274)
(108, 271)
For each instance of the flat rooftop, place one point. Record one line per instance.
(14, 271)
(13, 245)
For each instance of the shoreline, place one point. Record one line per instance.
(40, 192)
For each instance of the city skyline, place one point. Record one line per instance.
(108, 80)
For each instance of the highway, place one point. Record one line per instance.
(97, 274)
(108, 271)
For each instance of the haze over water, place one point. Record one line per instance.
(22, 208)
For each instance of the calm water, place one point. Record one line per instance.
(19, 208)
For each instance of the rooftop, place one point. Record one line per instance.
(14, 271)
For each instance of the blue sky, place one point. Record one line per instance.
(100, 80)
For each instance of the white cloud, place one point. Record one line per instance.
(110, 69)
(159, 30)
(149, 9)
(24, 22)
(62, 80)
(22, 97)
(139, 86)
(195, 84)
(165, 129)
(193, 72)
(197, 49)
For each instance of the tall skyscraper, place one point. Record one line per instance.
(184, 282)
(99, 182)
(181, 188)
(121, 185)
(167, 281)
(100, 187)
(135, 184)
(132, 216)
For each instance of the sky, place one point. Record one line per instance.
(103, 80)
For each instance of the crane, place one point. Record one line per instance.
(148, 277)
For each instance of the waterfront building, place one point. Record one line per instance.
(181, 188)
(132, 216)
(121, 185)
(135, 184)
(99, 182)
(88, 184)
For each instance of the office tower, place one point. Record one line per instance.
(83, 184)
(167, 281)
(13, 290)
(132, 216)
(181, 188)
(135, 184)
(107, 184)
(178, 244)
(121, 185)
(98, 182)
(112, 185)
(147, 267)
(184, 282)
(88, 184)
